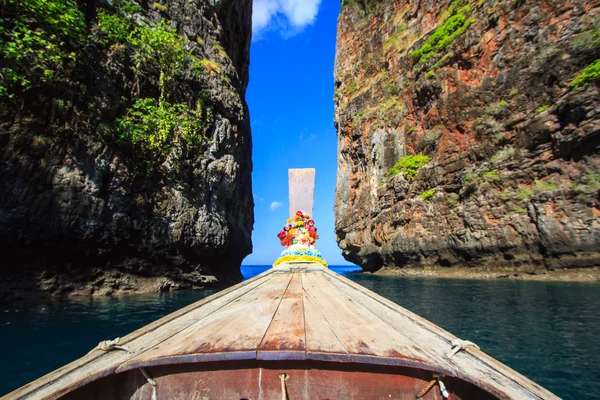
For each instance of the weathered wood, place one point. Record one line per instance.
(236, 330)
(471, 364)
(366, 337)
(97, 364)
(286, 337)
(301, 183)
(321, 341)
(296, 313)
(410, 337)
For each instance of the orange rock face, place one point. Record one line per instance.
(486, 90)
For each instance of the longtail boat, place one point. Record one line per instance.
(296, 331)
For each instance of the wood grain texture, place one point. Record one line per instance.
(286, 335)
(361, 332)
(321, 341)
(238, 327)
(301, 183)
(299, 313)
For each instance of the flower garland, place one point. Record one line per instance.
(303, 258)
(298, 230)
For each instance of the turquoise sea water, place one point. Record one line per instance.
(548, 331)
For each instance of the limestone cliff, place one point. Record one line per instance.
(468, 133)
(125, 147)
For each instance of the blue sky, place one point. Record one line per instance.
(290, 96)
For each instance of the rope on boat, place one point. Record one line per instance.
(426, 389)
(284, 394)
(108, 345)
(151, 381)
(458, 345)
(437, 378)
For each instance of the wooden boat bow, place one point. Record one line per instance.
(293, 317)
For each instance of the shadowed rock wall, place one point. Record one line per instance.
(502, 98)
(83, 211)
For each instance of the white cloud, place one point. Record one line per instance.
(257, 197)
(262, 13)
(275, 205)
(300, 12)
(287, 16)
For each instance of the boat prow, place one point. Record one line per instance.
(298, 330)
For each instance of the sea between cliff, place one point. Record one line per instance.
(545, 330)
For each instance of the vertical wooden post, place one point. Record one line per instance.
(301, 183)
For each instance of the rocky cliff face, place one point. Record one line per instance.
(125, 145)
(468, 133)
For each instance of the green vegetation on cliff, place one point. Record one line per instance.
(428, 194)
(589, 74)
(445, 34)
(587, 42)
(452, 199)
(525, 193)
(42, 42)
(408, 166)
(153, 125)
(157, 47)
(38, 42)
(588, 184)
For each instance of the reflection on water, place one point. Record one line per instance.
(546, 330)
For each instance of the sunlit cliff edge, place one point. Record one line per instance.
(468, 134)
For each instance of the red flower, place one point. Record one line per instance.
(312, 228)
(300, 213)
(286, 228)
(311, 222)
(281, 235)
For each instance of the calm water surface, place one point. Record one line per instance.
(546, 330)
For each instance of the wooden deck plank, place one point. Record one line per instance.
(301, 187)
(472, 364)
(414, 318)
(412, 335)
(286, 337)
(321, 341)
(98, 363)
(363, 334)
(238, 328)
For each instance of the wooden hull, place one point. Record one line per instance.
(310, 380)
